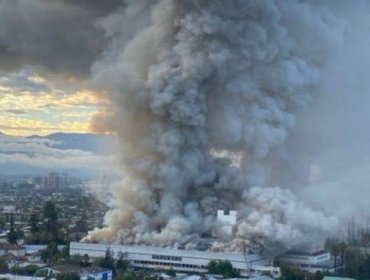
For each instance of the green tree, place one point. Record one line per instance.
(2, 222)
(170, 272)
(50, 254)
(4, 268)
(222, 267)
(121, 263)
(81, 225)
(68, 276)
(85, 261)
(50, 222)
(293, 273)
(108, 261)
(34, 224)
(29, 270)
(12, 235)
(129, 276)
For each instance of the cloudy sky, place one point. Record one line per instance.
(47, 48)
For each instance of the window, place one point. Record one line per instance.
(167, 258)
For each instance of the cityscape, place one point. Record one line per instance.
(185, 140)
(45, 220)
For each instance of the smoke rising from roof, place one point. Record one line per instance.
(197, 84)
(215, 104)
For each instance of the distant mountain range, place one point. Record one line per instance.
(78, 141)
(76, 153)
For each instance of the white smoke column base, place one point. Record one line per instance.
(276, 220)
(210, 75)
(272, 221)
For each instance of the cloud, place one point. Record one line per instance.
(23, 81)
(16, 125)
(30, 101)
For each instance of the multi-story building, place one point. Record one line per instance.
(190, 261)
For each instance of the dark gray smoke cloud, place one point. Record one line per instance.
(205, 96)
(56, 35)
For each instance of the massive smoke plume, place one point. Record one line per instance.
(204, 94)
(216, 103)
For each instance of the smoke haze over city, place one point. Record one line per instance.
(251, 105)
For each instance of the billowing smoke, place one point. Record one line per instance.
(204, 94)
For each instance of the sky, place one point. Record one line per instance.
(47, 49)
(32, 103)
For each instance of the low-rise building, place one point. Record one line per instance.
(14, 249)
(85, 273)
(309, 261)
(188, 261)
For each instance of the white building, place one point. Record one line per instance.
(179, 260)
(226, 220)
(309, 261)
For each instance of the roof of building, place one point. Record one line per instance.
(7, 246)
(8, 257)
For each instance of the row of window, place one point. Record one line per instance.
(188, 266)
(170, 264)
(166, 258)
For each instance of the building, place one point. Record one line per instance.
(227, 220)
(9, 276)
(188, 261)
(85, 273)
(53, 180)
(309, 261)
(13, 249)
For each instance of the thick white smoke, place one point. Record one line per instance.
(197, 84)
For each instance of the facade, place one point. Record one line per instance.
(188, 261)
(309, 261)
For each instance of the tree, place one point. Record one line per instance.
(81, 225)
(50, 254)
(4, 268)
(26, 270)
(85, 261)
(293, 273)
(332, 245)
(121, 263)
(34, 223)
(342, 247)
(50, 221)
(129, 276)
(2, 222)
(68, 276)
(108, 260)
(222, 267)
(12, 235)
(170, 272)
